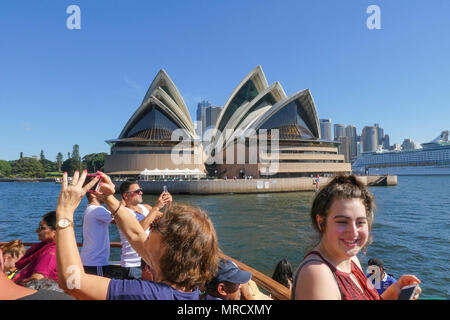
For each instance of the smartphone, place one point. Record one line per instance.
(89, 177)
(408, 292)
(164, 188)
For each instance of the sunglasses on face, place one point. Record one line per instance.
(41, 227)
(138, 191)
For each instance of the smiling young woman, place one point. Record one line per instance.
(342, 214)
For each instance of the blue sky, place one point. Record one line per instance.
(60, 87)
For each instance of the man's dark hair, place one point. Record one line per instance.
(125, 186)
(375, 262)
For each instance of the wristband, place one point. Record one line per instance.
(113, 215)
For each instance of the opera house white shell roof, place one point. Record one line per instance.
(252, 105)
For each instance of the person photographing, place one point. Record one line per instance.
(171, 252)
(133, 201)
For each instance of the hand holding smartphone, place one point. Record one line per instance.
(408, 292)
(89, 178)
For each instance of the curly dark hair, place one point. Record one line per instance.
(191, 248)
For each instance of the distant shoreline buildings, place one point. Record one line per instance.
(352, 145)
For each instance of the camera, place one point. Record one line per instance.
(89, 178)
(408, 292)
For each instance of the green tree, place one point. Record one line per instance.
(27, 168)
(49, 166)
(59, 160)
(5, 168)
(94, 161)
(69, 166)
(76, 152)
(76, 156)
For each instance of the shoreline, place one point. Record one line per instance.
(238, 186)
(27, 179)
(231, 186)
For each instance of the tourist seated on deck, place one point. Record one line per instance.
(229, 283)
(181, 250)
(39, 260)
(342, 214)
(12, 291)
(385, 280)
(283, 273)
(12, 252)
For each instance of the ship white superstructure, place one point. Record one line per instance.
(432, 159)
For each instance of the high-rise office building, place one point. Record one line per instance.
(350, 132)
(325, 129)
(369, 138)
(344, 147)
(408, 144)
(386, 142)
(380, 133)
(339, 131)
(201, 107)
(211, 116)
(358, 148)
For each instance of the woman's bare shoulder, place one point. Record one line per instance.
(316, 281)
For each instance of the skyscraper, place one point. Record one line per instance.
(344, 147)
(201, 106)
(339, 131)
(325, 129)
(369, 138)
(350, 132)
(380, 133)
(408, 144)
(386, 142)
(211, 116)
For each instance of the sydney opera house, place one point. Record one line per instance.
(261, 132)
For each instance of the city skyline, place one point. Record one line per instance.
(60, 87)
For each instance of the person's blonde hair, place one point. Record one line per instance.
(15, 248)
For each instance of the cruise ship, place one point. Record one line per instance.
(432, 159)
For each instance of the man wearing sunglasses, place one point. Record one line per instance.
(132, 199)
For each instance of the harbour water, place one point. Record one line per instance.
(411, 228)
